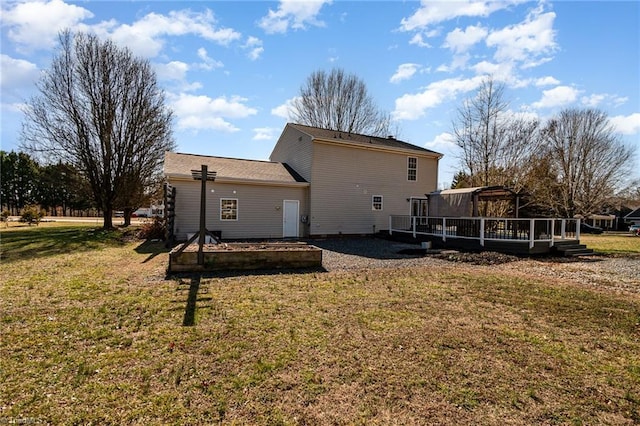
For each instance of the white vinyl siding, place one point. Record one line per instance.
(260, 209)
(412, 169)
(344, 179)
(295, 149)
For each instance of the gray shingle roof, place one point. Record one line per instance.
(334, 135)
(177, 164)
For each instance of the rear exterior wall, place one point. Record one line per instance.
(259, 213)
(344, 180)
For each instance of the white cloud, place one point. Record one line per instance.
(146, 36)
(17, 73)
(404, 72)
(202, 112)
(458, 62)
(487, 68)
(254, 45)
(619, 100)
(207, 62)
(593, 100)
(36, 24)
(294, 14)
(460, 41)
(558, 96)
(546, 81)
(599, 98)
(265, 133)
(526, 42)
(432, 13)
(413, 106)
(627, 125)
(442, 142)
(174, 70)
(419, 41)
(284, 110)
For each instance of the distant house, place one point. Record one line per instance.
(318, 182)
(604, 221)
(633, 218)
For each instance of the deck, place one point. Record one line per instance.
(507, 235)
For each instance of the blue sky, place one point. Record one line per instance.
(230, 68)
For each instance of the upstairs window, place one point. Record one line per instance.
(228, 209)
(376, 202)
(412, 168)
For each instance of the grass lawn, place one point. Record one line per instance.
(93, 333)
(618, 243)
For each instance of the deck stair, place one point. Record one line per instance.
(572, 249)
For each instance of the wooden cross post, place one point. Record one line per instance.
(203, 175)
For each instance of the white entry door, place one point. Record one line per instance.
(290, 218)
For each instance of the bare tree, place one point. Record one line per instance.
(496, 145)
(339, 101)
(479, 130)
(100, 109)
(587, 158)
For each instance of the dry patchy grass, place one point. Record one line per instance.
(97, 336)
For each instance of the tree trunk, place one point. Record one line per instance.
(127, 216)
(108, 217)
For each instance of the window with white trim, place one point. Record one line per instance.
(228, 209)
(412, 168)
(376, 202)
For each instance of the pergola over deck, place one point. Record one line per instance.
(464, 202)
(453, 220)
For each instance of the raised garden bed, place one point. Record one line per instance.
(245, 256)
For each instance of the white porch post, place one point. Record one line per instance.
(553, 232)
(390, 225)
(413, 225)
(444, 229)
(532, 229)
(482, 231)
(578, 229)
(563, 228)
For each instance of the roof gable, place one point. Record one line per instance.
(634, 214)
(180, 165)
(359, 139)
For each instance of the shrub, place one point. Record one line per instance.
(31, 213)
(154, 230)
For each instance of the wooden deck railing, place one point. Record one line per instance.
(484, 229)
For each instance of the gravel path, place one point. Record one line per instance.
(620, 274)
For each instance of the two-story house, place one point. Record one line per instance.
(318, 182)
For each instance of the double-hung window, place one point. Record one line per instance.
(412, 169)
(376, 202)
(228, 209)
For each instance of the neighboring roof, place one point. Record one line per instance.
(602, 216)
(180, 165)
(484, 192)
(355, 138)
(634, 214)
